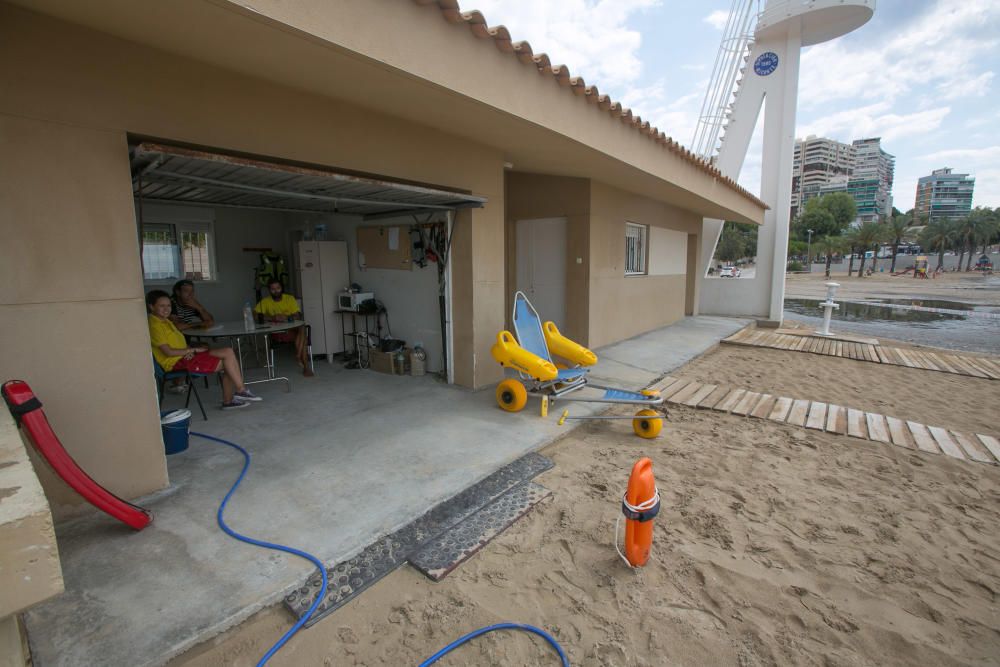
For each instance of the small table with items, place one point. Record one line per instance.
(236, 332)
(360, 352)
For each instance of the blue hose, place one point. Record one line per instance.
(267, 545)
(322, 570)
(499, 626)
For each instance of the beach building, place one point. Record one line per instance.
(944, 195)
(145, 143)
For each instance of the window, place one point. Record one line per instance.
(635, 249)
(175, 250)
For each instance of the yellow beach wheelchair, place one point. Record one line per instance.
(533, 353)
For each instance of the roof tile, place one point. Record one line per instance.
(477, 24)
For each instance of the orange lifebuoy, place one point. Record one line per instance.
(640, 505)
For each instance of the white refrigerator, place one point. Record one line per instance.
(323, 274)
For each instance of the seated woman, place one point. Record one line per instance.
(172, 353)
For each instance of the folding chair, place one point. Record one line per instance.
(163, 375)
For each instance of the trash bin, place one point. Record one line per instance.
(175, 425)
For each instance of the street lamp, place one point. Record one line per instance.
(809, 257)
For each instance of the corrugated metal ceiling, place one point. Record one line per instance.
(174, 174)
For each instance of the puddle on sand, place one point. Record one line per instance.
(951, 324)
(873, 312)
(928, 303)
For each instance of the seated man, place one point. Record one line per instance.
(185, 310)
(281, 307)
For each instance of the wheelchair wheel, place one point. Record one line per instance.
(511, 395)
(647, 424)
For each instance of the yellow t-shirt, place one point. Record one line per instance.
(268, 307)
(163, 331)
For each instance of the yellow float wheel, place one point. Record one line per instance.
(511, 395)
(647, 424)
(650, 392)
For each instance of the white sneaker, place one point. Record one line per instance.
(177, 389)
(246, 396)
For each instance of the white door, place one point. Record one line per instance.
(541, 266)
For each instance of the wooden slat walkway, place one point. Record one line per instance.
(832, 418)
(943, 362)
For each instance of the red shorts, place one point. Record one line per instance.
(202, 362)
(284, 337)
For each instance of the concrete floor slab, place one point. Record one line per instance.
(321, 454)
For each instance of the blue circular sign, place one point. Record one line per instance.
(766, 63)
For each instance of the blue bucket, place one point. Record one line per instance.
(175, 425)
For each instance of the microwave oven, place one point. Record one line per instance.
(352, 300)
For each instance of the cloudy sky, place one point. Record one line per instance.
(922, 74)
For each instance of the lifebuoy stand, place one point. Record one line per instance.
(640, 505)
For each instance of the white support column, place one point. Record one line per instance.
(771, 80)
(775, 94)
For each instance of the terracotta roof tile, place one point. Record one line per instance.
(501, 38)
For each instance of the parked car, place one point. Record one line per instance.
(729, 272)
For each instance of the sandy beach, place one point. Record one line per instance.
(775, 545)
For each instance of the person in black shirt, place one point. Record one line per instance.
(186, 312)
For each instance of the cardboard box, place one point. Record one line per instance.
(417, 366)
(385, 362)
(381, 362)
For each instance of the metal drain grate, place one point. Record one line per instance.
(442, 554)
(351, 577)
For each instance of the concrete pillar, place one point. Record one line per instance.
(72, 304)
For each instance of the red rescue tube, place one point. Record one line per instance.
(640, 506)
(27, 410)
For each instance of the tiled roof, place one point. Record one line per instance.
(501, 38)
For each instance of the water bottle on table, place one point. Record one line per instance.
(248, 321)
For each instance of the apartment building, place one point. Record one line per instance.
(943, 195)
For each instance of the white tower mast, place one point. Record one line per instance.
(770, 65)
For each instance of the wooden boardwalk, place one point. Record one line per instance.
(832, 418)
(959, 364)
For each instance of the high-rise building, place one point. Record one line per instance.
(871, 179)
(817, 162)
(861, 169)
(944, 195)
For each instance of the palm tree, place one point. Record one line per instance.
(982, 226)
(851, 244)
(965, 234)
(896, 231)
(938, 235)
(988, 231)
(828, 246)
(867, 237)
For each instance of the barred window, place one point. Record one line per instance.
(171, 251)
(635, 249)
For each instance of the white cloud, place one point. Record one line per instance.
(956, 90)
(717, 19)
(874, 120)
(942, 47)
(976, 155)
(677, 118)
(590, 37)
(983, 121)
